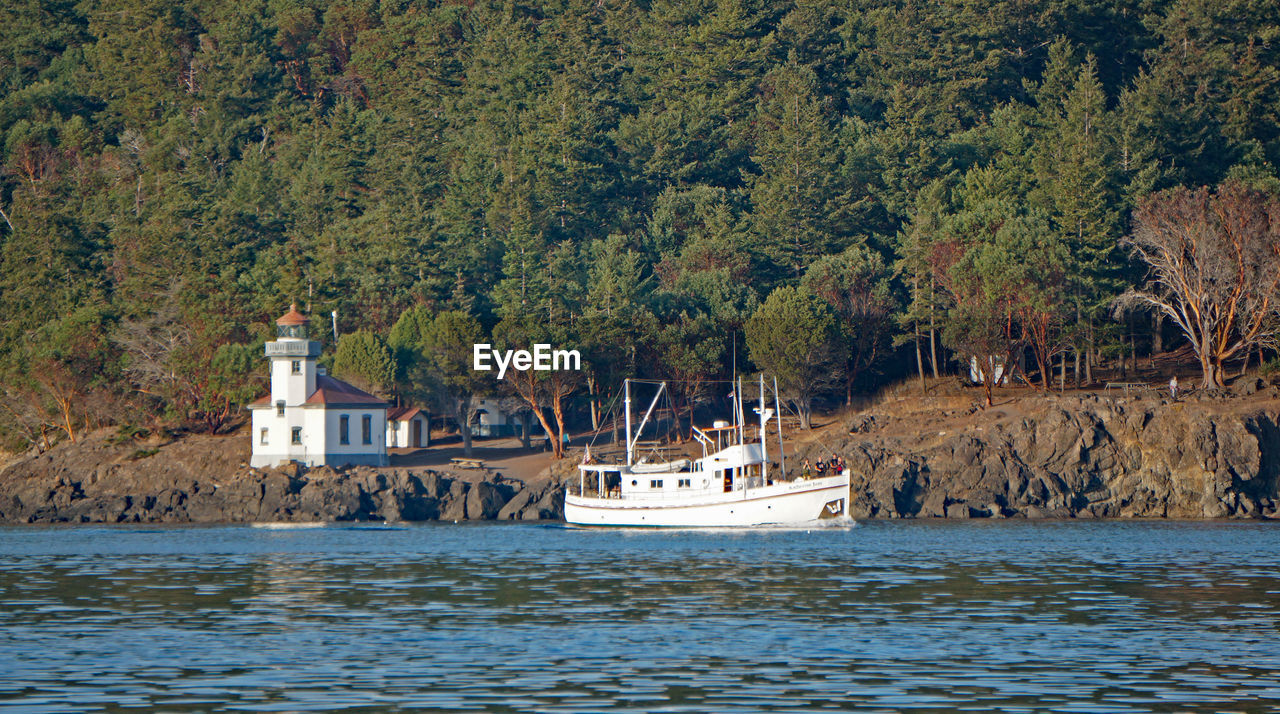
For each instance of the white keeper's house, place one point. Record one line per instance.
(310, 417)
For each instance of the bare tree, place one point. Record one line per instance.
(1214, 261)
(151, 344)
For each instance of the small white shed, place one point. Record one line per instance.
(408, 428)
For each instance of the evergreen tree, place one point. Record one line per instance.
(364, 360)
(793, 337)
(856, 285)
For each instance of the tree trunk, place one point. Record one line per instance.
(1075, 348)
(526, 423)
(464, 426)
(1044, 363)
(919, 361)
(594, 404)
(557, 409)
(1208, 379)
(933, 348)
(556, 448)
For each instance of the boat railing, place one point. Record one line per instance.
(707, 443)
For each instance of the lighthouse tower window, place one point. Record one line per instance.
(295, 366)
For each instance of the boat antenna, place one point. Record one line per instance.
(742, 433)
(627, 402)
(733, 367)
(764, 446)
(777, 406)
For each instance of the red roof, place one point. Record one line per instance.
(402, 413)
(261, 401)
(335, 392)
(293, 317)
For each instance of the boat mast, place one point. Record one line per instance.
(777, 406)
(742, 434)
(764, 447)
(627, 401)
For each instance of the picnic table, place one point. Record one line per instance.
(1126, 386)
(468, 463)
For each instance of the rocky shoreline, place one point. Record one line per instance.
(1081, 456)
(184, 482)
(1076, 456)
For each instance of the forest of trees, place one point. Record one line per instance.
(668, 186)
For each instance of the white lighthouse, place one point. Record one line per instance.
(310, 417)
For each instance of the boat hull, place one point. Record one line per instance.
(784, 503)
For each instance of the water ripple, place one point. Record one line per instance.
(1097, 617)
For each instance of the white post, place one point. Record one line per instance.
(742, 437)
(777, 406)
(764, 447)
(627, 403)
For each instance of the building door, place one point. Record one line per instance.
(417, 433)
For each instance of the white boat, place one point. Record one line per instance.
(730, 485)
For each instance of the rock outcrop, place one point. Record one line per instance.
(1083, 457)
(205, 479)
(1086, 456)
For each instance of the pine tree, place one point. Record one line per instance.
(793, 337)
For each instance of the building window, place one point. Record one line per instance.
(297, 435)
(344, 422)
(263, 439)
(366, 429)
(280, 408)
(296, 366)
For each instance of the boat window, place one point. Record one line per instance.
(684, 483)
(633, 482)
(656, 483)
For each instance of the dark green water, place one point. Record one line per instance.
(1016, 616)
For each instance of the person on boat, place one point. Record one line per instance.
(805, 468)
(842, 466)
(821, 468)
